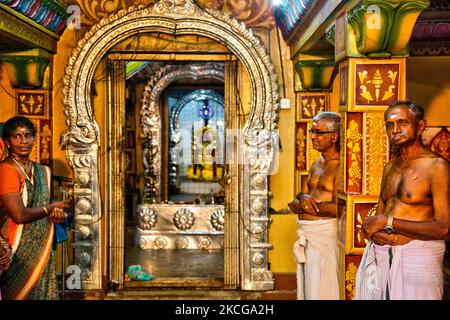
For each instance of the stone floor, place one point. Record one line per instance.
(174, 263)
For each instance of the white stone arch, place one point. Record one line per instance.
(82, 137)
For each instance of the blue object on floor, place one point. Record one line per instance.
(135, 273)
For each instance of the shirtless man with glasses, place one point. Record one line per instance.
(316, 206)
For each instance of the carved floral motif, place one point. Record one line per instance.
(183, 219)
(362, 210)
(312, 105)
(354, 155)
(218, 220)
(300, 144)
(147, 218)
(182, 243)
(350, 281)
(204, 242)
(376, 151)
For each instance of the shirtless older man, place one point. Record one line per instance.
(316, 206)
(404, 258)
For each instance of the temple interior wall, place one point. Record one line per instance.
(428, 84)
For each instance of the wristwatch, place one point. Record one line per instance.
(389, 227)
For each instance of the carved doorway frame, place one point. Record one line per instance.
(151, 118)
(81, 140)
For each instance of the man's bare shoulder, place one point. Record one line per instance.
(317, 163)
(391, 163)
(440, 167)
(429, 158)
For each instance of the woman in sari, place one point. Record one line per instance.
(27, 218)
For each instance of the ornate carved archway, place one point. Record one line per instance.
(151, 117)
(82, 137)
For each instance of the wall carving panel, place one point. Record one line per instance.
(375, 151)
(254, 13)
(168, 226)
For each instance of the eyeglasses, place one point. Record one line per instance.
(319, 133)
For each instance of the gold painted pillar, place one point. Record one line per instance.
(371, 45)
(313, 84)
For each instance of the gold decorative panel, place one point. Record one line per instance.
(375, 151)
(354, 151)
(351, 267)
(352, 211)
(376, 84)
(301, 137)
(361, 212)
(373, 84)
(32, 103)
(311, 104)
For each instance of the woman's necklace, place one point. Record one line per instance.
(22, 168)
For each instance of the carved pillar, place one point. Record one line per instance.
(313, 80)
(232, 177)
(373, 29)
(87, 242)
(115, 167)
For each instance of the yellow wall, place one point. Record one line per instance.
(7, 106)
(428, 84)
(60, 60)
(283, 229)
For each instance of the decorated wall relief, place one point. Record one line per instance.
(362, 211)
(311, 104)
(354, 152)
(351, 267)
(370, 84)
(375, 151)
(352, 211)
(254, 13)
(376, 84)
(300, 146)
(438, 140)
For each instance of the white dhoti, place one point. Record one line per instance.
(316, 254)
(405, 272)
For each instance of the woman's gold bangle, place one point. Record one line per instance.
(45, 210)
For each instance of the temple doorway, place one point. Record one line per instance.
(169, 36)
(174, 177)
